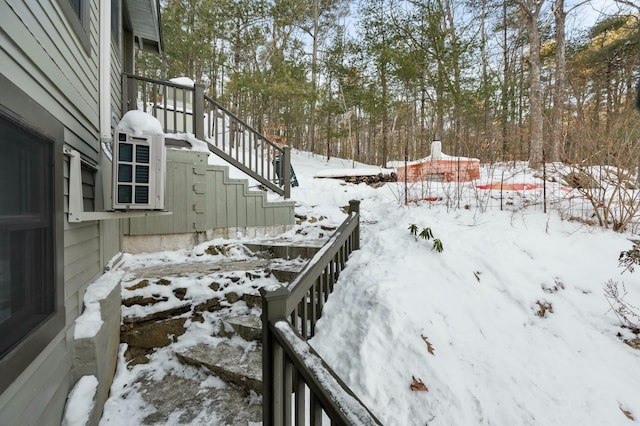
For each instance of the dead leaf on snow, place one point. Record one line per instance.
(627, 414)
(418, 385)
(430, 347)
(544, 307)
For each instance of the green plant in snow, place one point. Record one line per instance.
(413, 229)
(426, 234)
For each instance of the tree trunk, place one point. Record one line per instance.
(314, 70)
(531, 10)
(557, 128)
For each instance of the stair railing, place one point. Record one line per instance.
(290, 366)
(186, 109)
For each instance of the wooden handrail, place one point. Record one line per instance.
(186, 109)
(293, 311)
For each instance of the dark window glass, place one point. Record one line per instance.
(76, 5)
(124, 194)
(115, 20)
(125, 173)
(126, 152)
(27, 283)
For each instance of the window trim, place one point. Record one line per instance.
(19, 108)
(116, 23)
(79, 24)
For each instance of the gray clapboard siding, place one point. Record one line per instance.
(61, 76)
(41, 54)
(202, 197)
(111, 240)
(30, 400)
(68, 53)
(116, 80)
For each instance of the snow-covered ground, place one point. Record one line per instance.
(507, 326)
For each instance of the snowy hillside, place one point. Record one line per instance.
(508, 325)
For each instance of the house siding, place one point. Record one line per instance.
(42, 55)
(204, 199)
(116, 81)
(39, 56)
(39, 394)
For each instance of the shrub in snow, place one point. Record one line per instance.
(426, 234)
(628, 314)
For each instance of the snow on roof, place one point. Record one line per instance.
(442, 157)
(369, 171)
(141, 123)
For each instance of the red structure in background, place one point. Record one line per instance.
(441, 168)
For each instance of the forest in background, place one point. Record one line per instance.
(378, 80)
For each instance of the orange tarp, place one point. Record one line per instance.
(510, 186)
(516, 186)
(454, 170)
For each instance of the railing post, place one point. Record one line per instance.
(198, 110)
(274, 306)
(128, 94)
(354, 207)
(125, 94)
(286, 172)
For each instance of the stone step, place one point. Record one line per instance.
(286, 249)
(200, 267)
(249, 327)
(225, 405)
(286, 275)
(231, 363)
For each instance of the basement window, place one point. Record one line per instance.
(27, 290)
(31, 296)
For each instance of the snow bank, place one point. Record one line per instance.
(80, 402)
(88, 324)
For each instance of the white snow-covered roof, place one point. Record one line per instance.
(369, 171)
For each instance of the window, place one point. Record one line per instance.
(77, 13)
(115, 21)
(27, 288)
(31, 241)
(77, 7)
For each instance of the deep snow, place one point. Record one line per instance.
(495, 361)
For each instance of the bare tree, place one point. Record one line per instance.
(531, 11)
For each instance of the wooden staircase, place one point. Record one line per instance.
(185, 109)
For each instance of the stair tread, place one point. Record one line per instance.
(188, 397)
(233, 363)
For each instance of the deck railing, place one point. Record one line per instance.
(290, 367)
(186, 109)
